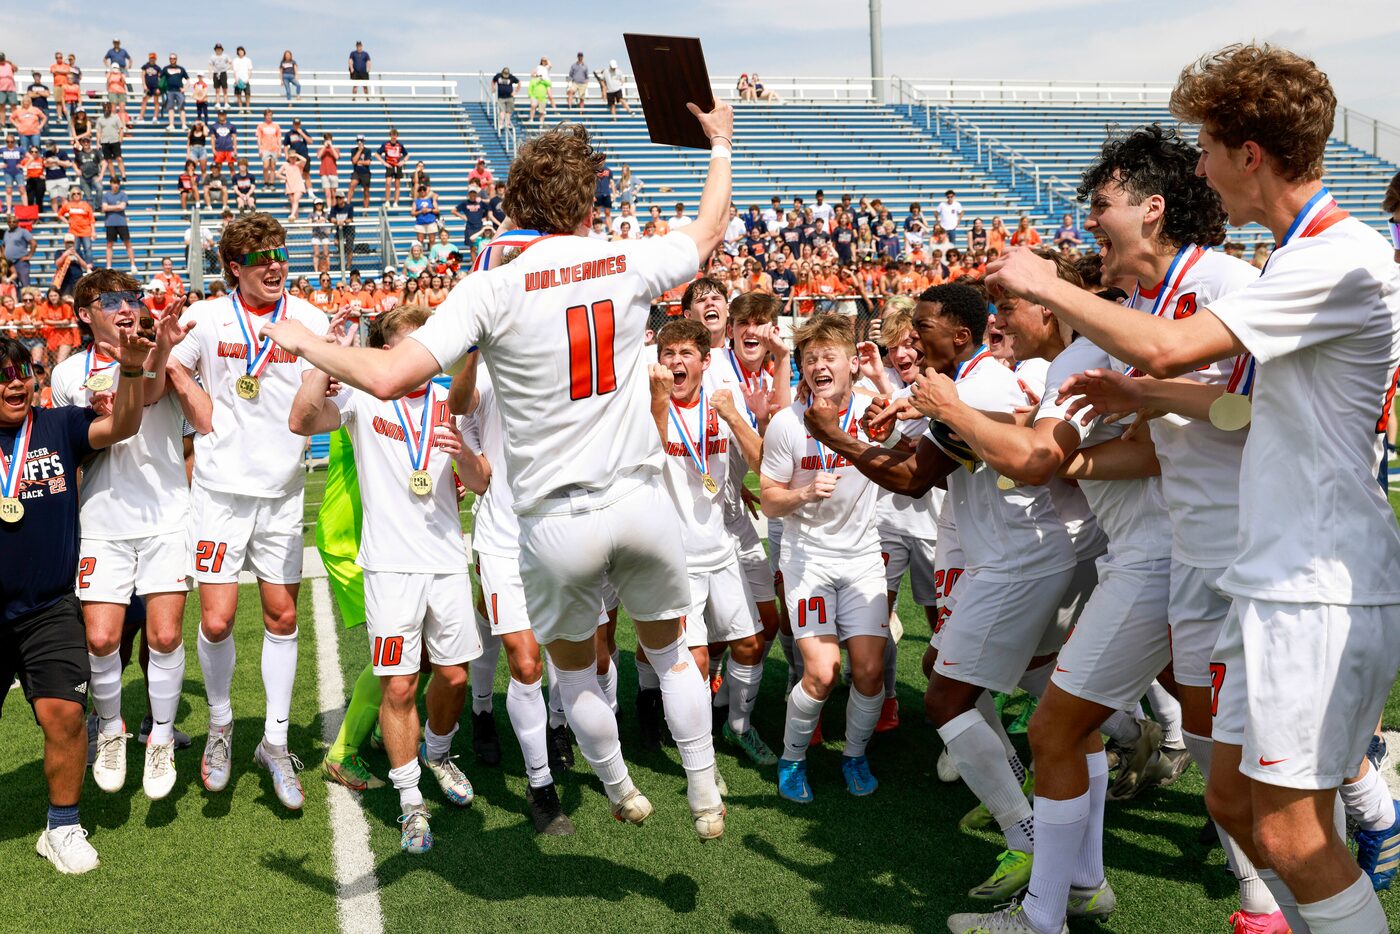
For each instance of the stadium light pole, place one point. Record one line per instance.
(877, 55)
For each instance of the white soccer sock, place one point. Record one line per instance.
(595, 728)
(862, 713)
(164, 679)
(803, 712)
(891, 665)
(987, 706)
(105, 686)
(1368, 802)
(1122, 728)
(686, 699)
(216, 661)
(279, 675)
(555, 699)
(525, 707)
(646, 677)
(1283, 897)
(1035, 680)
(981, 762)
(608, 682)
(1166, 710)
(1353, 910)
(1060, 828)
(483, 669)
(722, 696)
(438, 747)
(1088, 862)
(405, 779)
(746, 680)
(1255, 896)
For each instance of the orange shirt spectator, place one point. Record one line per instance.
(323, 299)
(116, 82)
(60, 71)
(801, 304)
(27, 120)
(1025, 235)
(52, 319)
(79, 216)
(33, 165)
(174, 285)
(674, 295)
(71, 93)
(996, 240)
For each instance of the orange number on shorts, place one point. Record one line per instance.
(495, 611)
(1384, 421)
(85, 567)
(388, 651)
(814, 605)
(204, 552)
(1217, 678)
(582, 344)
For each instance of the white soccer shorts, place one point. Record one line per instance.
(1300, 686)
(1122, 640)
(948, 566)
(775, 548)
(997, 627)
(918, 556)
(111, 571)
(841, 597)
(228, 531)
(503, 593)
(405, 612)
(721, 609)
(1196, 611)
(753, 560)
(1076, 598)
(629, 530)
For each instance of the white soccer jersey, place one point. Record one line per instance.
(708, 544)
(250, 451)
(1005, 534)
(495, 530)
(1323, 322)
(1130, 512)
(135, 488)
(1201, 463)
(896, 513)
(403, 532)
(561, 326)
(726, 372)
(842, 526)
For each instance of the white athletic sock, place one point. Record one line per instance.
(555, 699)
(862, 713)
(803, 712)
(722, 696)
(1088, 862)
(1283, 897)
(891, 665)
(525, 707)
(981, 762)
(216, 661)
(1255, 896)
(686, 699)
(105, 686)
(1353, 910)
(405, 779)
(279, 675)
(745, 680)
(1368, 802)
(646, 677)
(1060, 828)
(1035, 680)
(987, 706)
(483, 669)
(438, 747)
(1166, 710)
(1122, 728)
(164, 679)
(594, 727)
(608, 682)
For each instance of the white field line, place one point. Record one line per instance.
(1392, 777)
(356, 886)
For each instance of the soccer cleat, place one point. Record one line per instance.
(1092, 902)
(752, 744)
(158, 775)
(561, 749)
(1208, 837)
(709, 823)
(416, 836)
(547, 813)
(283, 767)
(486, 741)
(1132, 761)
(449, 777)
(889, 716)
(350, 772)
(182, 740)
(1022, 723)
(649, 723)
(859, 781)
(947, 769)
(1250, 922)
(633, 808)
(817, 739)
(1377, 752)
(980, 818)
(109, 768)
(1378, 852)
(68, 849)
(1012, 875)
(216, 764)
(1165, 767)
(1009, 920)
(792, 781)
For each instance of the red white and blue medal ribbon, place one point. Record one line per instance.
(1181, 264)
(699, 453)
(826, 462)
(967, 366)
(259, 352)
(12, 471)
(96, 378)
(751, 383)
(511, 239)
(1321, 212)
(419, 443)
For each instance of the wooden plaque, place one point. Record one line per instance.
(670, 72)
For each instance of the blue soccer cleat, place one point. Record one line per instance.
(792, 781)
(1378, 852)
(859, 781)
(1377, 752)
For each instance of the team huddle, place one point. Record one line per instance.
(1152, 476)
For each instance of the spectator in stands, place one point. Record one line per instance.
(197, 145)
(1067, 237)
(175, 77)
(420, 176)
(18, 247)
(540, 92)
(997, 237)
(245, 188)
(392, 155)
(269, 147)
(744, 88)
(1261, 256)
(761, 93)
(34, 183)
(614, 87)
(189, 186)
(242, 78)
(506, 85)
(59, 70)
(29, 122)
(225, 137)
(78, 212)
(822, 211)
(359, 68)
(288, 69)
(57, 323)
(578, 83)
(72, 91)
(888, 244)
(416, 262)
(26, 319)
(320, 237)
(1233, 248)
(328, 163)
(361, 163)
(342, 215)
(1025, 234)
(299, 141)
(79, 125)
(89, 166)
(425, 214)
(118, 56)
(678, 220)
(116, 91)
(472, 211)
(38, 91)
(150, 83)
(627, 188)
(9, 90)
(215, 187)
(412, 295)
(11, 155)
(977, 236)
(293, 175)
(219, 67)
(56, 180)
(199, 93)
(439, 257)
(950, 212)
(169, 280)
(480, 175)
(655, 223)
(625, 216)
(114, 205)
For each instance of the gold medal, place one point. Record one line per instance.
(420, 482)
(11, 509)
(99, 382)
(1005, 483)
(247, 387)
(711, 486)
(1231, 412)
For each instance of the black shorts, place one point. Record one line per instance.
(614, 97)
(393, 171)
(221, 81)
(48, 650)
(359, 76)
(122, 233)
(603, 201)
(111, 150)
(361, 176)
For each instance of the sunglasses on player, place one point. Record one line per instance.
(9, 372)
(113, 302)
(264, 257)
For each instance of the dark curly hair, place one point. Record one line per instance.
(552, 181)
(1155, 160)
(963, 303)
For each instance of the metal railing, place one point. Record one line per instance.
(1377, 137)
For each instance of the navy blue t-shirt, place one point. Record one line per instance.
(40, 552)
(359, 60)
(476, 215)
(783, 281)
(175, 77)
(602, 188)
(150, 74)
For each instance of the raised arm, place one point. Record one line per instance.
(125, 420)
(708, 228)
(383, 373)
(909, 469)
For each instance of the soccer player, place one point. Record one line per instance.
(1307, 653)
(417, 590)
(135, 506)
(246, 498)
(700, 431)
(830, 556)
(583, 458)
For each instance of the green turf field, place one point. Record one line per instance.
(892, 862)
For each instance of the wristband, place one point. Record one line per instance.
(132, 374)
(725, 138)
(150, 374)
(721, 152)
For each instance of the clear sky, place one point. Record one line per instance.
(1088, 40)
